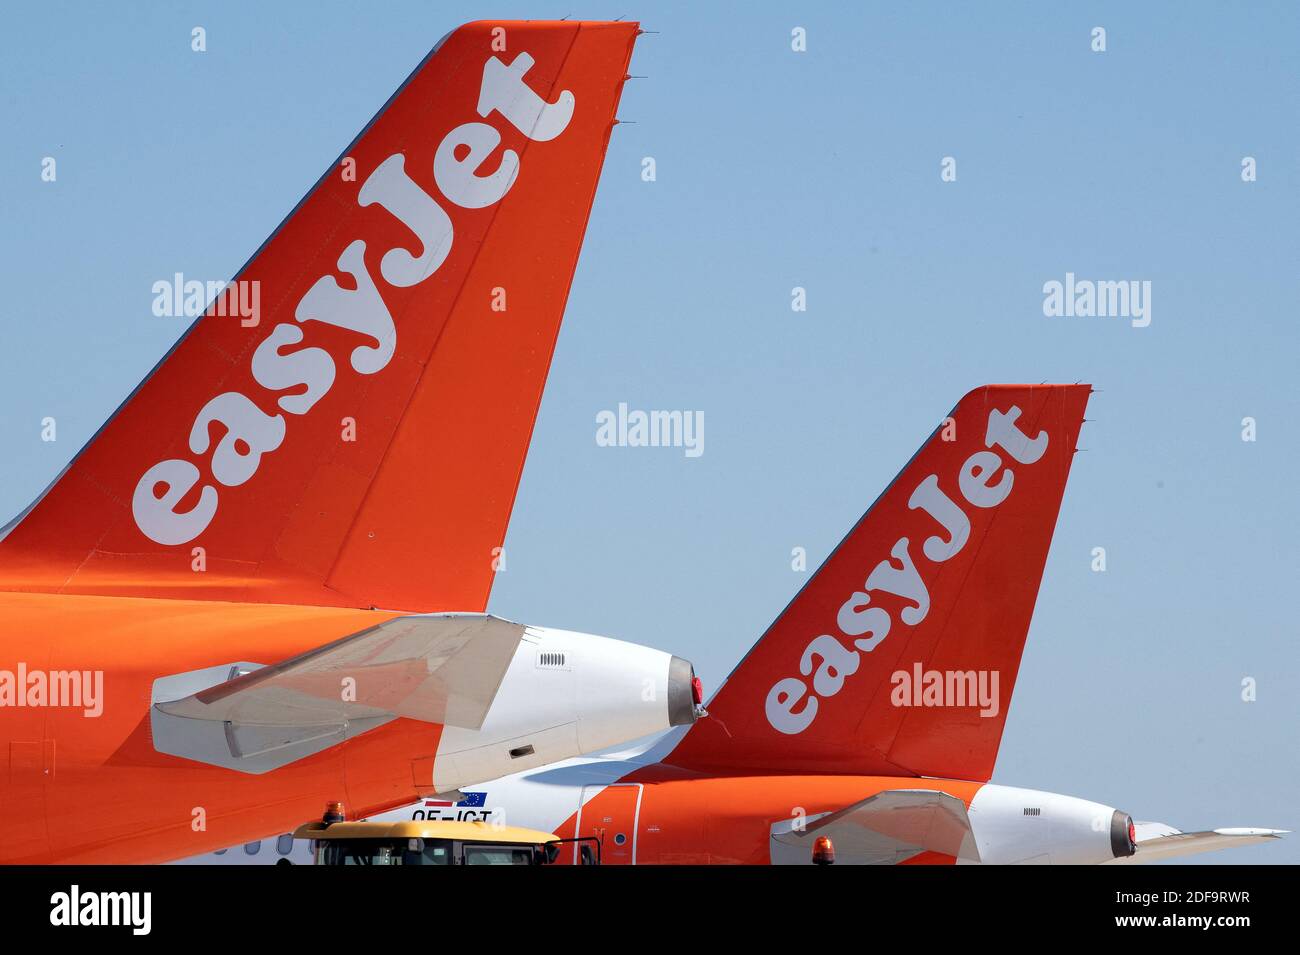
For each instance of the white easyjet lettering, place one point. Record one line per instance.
(974, 480)
(504, 90)
(791, 705)
(856, 622)
(459, 179)
(360, 310)
(155, 511)
(781, 702)
(392, 188)
(1002, 431)
(245, 424)
(902, 582)
(251, 433)
(276, 371)
(952, 518)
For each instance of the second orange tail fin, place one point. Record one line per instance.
(360, 443)
(900, 655)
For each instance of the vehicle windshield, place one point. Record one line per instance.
(500, 855)
(382, 852)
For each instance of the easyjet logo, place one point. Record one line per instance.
(249, 432)
(985, 480)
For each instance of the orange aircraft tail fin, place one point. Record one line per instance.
(899, 656)
(356, 436)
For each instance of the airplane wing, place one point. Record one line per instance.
(439, 668)
(884, 829)
(1157, 841)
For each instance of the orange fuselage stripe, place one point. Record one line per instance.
(89, 788)
(687, 818)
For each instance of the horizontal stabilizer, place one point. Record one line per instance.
(442, 668)
(884, 829)
(1157, 841)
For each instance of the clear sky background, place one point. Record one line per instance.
(778, 169)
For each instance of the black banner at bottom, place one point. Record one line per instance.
(474, 905)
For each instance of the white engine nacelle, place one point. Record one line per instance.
(1025, 826)
(566, 694)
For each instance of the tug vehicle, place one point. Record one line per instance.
(436, 842)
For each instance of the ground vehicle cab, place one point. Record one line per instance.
(435, 842)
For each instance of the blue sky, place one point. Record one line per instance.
(778, 169)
